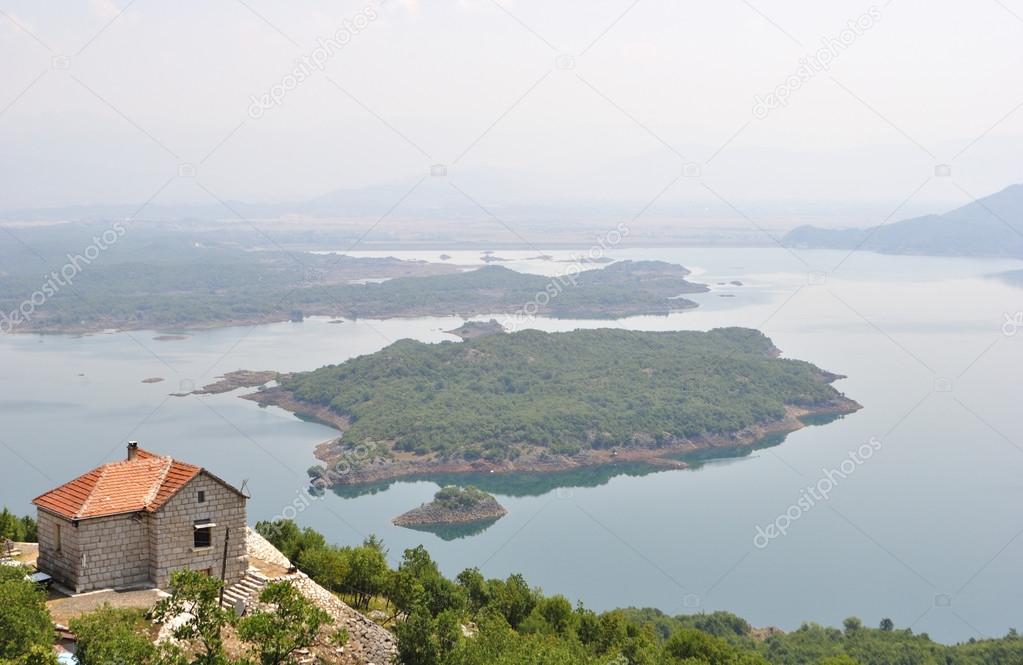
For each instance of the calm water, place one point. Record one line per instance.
(926, 531)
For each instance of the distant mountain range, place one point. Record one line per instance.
(991, 226)
(432, 196)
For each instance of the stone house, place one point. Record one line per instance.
(132, 523)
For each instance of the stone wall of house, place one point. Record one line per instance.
(60, 564)
(172, 532)
(101, 553)
(115, 552)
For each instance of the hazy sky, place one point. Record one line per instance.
(531, 100)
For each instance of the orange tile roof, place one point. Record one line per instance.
(143, 483)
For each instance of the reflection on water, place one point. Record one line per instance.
(455, 531)
(541, 483)
(513, 484)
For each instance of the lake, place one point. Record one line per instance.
(925, 531)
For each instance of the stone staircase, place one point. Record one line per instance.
(246, 589)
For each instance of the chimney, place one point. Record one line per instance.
(133, 449)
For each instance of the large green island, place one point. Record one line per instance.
(535, 401)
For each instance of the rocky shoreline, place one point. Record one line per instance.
(347, 464)
(481, 508)
(474, 329)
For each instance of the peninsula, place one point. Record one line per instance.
(183, 287)
(534, 401)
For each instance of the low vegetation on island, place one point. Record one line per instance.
(172, 282)
(454, 505)
(535, 401)
(626, 288)
(473, 329)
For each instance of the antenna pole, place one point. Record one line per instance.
(223, 565)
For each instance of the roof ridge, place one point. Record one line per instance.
(92, 490)
(146, 482)
(168, 462)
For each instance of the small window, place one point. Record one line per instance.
(202, 497)
(203, 537)
(58, 545)
(202, 534)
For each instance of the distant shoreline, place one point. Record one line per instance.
(624, 288)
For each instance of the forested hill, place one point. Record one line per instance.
(565, 392)
(990, 226)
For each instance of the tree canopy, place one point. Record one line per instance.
(563, 392)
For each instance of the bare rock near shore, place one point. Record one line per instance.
(238, 379)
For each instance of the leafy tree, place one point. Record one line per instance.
(887, 625)
(692, 646)
(418, 581)
(550, 615)
(417, 639)
(111, 635)
(453, 497)
(289, 539)
(291, 623)
(197, 595)
(18, 529)
(366, 575)
(24, 620)
(30, 529)
(475, 588)
(839, 660)
(513, 599)
(496, 643)
(35, 655)
(448, 629)
(327, 565)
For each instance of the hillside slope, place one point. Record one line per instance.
(990, 227)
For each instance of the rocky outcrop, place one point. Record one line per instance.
(260, 548)
(470, 505)
(474, 329)
(368, 643)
